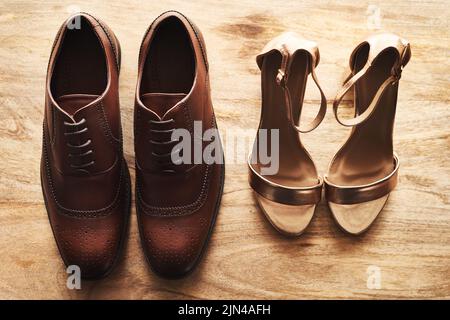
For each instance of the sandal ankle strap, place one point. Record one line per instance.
(282, 81)
(404, 55)
(287, 51)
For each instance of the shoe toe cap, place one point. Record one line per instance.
(93, 246)
(172, 248)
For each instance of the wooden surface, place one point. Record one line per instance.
(410, 242)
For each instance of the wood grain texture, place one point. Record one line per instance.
(247, 258)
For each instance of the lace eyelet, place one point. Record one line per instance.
(81, 164)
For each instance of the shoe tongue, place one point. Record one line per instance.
(71, 103)
(160, 103)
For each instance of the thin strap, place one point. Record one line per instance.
(393, 79)
(282, 81)
(362, 193)
(284, 194)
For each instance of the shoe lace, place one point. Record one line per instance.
(161, 138)
(78, 158)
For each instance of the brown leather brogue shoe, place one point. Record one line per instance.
(177, 202)
(85, 179)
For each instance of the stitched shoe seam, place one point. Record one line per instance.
(179, 210)
(73, 212)
(104, 124)
(193, 206)
(113, 47)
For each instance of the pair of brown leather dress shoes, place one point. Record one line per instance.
(85, 178)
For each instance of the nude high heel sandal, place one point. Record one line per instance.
(288, 197)
(365, 170)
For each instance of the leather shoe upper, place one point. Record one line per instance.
(176, 202)
(85, 179)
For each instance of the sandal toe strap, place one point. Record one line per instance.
(363, 193)
(284, 194)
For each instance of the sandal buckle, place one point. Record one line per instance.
(396, 72)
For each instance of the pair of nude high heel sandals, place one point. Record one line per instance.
(365, 169)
